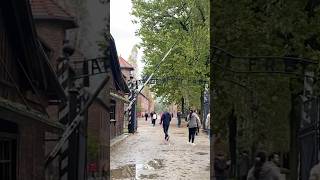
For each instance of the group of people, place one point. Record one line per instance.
(193, 123)
(153, 116)
(264, 168)
(164, 120)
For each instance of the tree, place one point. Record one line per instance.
(261, 28)
(161, 24)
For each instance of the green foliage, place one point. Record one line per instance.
(93, 148)
(163, 23)
(261, 28)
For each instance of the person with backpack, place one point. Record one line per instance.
(263, 170)
(154, 118)
(193, 125)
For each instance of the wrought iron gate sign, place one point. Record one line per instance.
(261, 64)
(93, 66)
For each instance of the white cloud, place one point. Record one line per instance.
(123, 30)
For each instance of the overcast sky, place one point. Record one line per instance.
(123, 30)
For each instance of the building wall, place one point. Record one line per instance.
(53, 34)
(30, 134)
(126, 73)
(31, 151)
(116, 128)
(97, 135)
(144, 105)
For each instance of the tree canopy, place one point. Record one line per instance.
(164, 22)
(262, 28)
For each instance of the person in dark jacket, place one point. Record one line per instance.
(165, 121)
(220, 166)
(263, 170)
(244, 165)
(179, 118)
(151, 115)
(146, 116)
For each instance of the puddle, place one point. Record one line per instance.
(150, 176)
(201, 153)
(127, 171)
(155, 164)
(133, 171)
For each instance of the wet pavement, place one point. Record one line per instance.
(145, 155)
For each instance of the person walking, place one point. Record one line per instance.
(165, 121)
(146, 116)
(263, 170)
(151, 115)
(193, 125)
(179, 118)
(154, 118)
(243, 165)
(208, 125)
(220, 166)
(274, 160)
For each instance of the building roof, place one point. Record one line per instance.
(51, 10)
(116, 67)
(33, 60)
(124, 64)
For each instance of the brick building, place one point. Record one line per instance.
(104, 124)
(126, 68)
(143, 105)
(52, 21)
(145, 102)
(27, 82)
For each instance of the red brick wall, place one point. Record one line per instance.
(98, 130)
(143, 103)
(116, 128)
(53, 34)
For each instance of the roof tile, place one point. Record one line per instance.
(49, 9)
(124, 63)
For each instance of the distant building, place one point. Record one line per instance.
(143, 105)
(126, 68)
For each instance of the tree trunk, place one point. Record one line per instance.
(232, 141)
(293, 155)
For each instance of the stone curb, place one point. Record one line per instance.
(116, 141)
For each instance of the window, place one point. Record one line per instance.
(7, 159)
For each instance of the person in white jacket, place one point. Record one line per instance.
(193, 124)
(208, 124)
